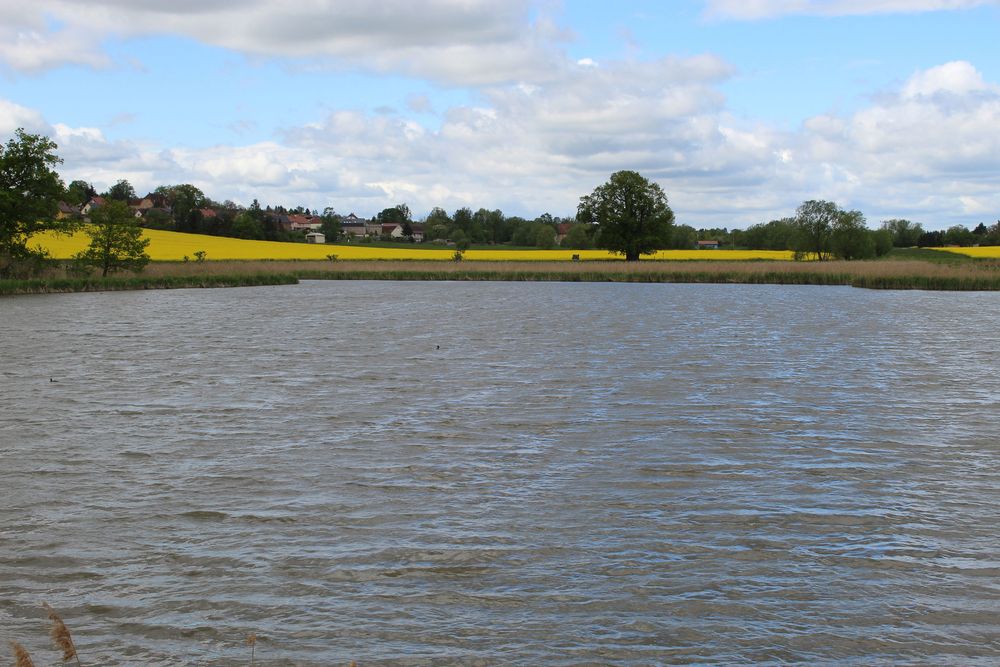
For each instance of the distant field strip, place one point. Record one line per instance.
(174, 246)
(982, 252)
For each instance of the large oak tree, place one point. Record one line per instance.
(631, 213)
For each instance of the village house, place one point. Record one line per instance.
(562, 229)
(708, 245)
(353, 226)
(67, 211)
(152, 200)
(300, 222)
(94, 202)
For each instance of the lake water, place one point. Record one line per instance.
(502, 473)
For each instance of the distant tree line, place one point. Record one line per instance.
(628, 215)
(780, 235)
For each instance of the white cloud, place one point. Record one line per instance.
(13, 116)
(928, 151)
(764, 9)
(455, 41)
(957, 78)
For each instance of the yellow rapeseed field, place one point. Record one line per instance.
(175, 246)
(982, 252)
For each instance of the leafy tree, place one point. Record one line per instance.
(184, 199)
(397, 215)
(992, 236)
(330, 224)
(245, 226)
(683, 237)
(775, 235)
(959, 235)
(632, 213)
(526, 233)
(545, 237)
(79, 193)
(29, 198)
(578, 238)
(461, 240)
(493, 224)
(814, 227)
(463, 220)
(905, 234)
(121, 191)
(882, 240)
(850, 238)
(116, 241)
(437, 224)
(933, 239)
(157, 218)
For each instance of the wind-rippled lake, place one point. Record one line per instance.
(502, 474)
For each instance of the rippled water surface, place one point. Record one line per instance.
(503, 473)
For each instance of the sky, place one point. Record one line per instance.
(740, 109)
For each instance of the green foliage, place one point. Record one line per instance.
(29, 199)
(116, 242)
(959, 235)
(850, 238)
(684, 237)
(398, 214)
(79, 193)
(813, 228)
(883, 242)
(632, 213)
(246, 226)
(545, 237)
(185, 200)
(330, 225)
(905, 234)
(43, 286)
(121, 191)
(775, 235)
(157, 218)
(493, 225)
(578, 238)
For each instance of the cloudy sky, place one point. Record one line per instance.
(740, 109)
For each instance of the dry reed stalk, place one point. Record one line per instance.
(252, 643)
(60, 635)
(21, 656)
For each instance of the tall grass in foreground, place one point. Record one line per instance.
(60, 635)
(64, 641)
(21, 657)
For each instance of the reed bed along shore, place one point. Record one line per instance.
(897, 274)
(141, 282)
(877, 274)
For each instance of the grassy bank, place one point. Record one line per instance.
(897, 273)
(142, 282)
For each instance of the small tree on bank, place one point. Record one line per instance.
(116, 242)
(29, 198)
(632, 215)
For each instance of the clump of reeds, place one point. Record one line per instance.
(60, 635)
(21, 657)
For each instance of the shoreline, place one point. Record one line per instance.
(876, 274)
